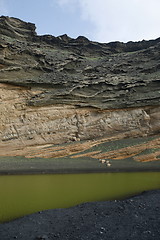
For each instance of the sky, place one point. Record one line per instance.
(98, 20)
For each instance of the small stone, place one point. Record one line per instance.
(103, 229)
(103, 160)
(108, 164)
(43, 237)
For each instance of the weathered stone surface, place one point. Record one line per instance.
(63, 123)
(16, 28)
(77, 71)
(55, 90)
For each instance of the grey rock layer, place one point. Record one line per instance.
(78, 71)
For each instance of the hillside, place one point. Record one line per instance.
(78, 93)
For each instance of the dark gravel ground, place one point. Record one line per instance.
(135, 218)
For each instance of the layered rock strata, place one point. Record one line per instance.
(56, 90)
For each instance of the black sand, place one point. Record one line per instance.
(22, 165)
(135, 218)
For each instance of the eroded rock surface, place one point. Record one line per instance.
(55, 90)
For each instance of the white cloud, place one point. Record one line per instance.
(63, 2)
(3, 8)
(122, 20)
(69, 5)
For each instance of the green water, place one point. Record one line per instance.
(25, 194)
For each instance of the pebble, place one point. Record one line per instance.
(103, 161)
(43, 237)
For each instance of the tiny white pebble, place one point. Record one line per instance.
(103, 161)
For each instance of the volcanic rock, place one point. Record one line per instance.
(55, 90)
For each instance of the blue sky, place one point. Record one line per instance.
(99, 20)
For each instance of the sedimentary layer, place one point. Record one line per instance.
(56, 90)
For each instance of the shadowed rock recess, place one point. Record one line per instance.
(56, 90)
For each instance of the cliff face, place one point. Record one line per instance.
(55, 90)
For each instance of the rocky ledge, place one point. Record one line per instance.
(56, 90)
